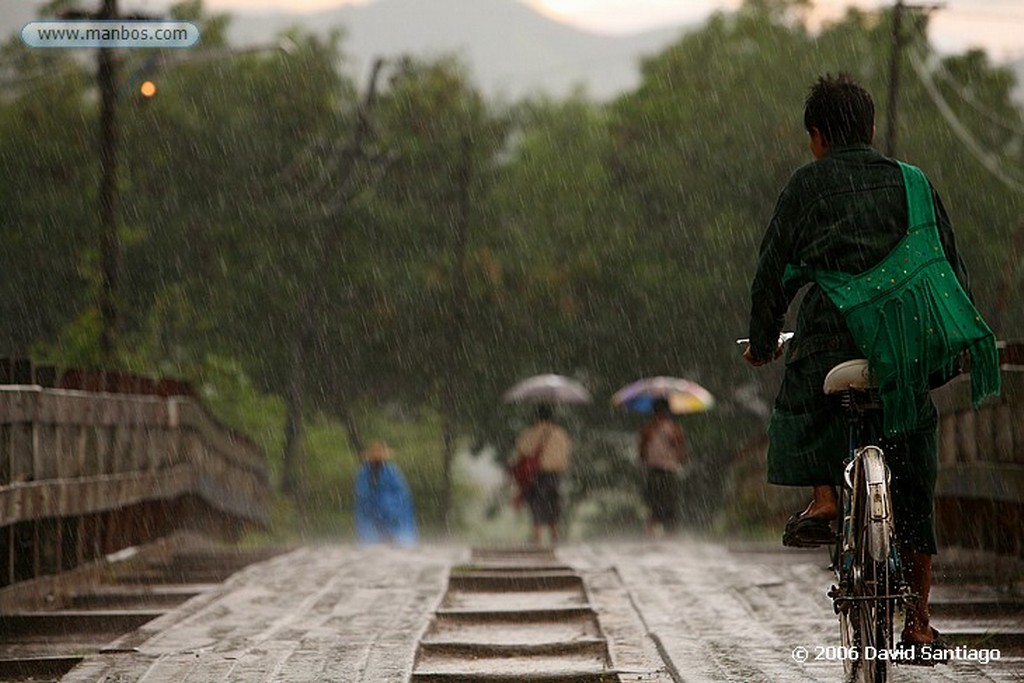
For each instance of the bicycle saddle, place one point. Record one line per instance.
(853, 374)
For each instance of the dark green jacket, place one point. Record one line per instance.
(844, 212)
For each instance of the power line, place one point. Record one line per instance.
(23, 85)
(985, 158)
(45, 74)
(966, 96)
(899, 41)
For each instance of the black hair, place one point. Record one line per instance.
(544, 412)
(841, 110)
(660, 405)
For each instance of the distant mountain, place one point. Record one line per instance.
(510, 49)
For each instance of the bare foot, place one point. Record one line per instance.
(919, 637)
(823, 505)
(820, 510)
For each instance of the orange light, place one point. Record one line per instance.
(147, 89)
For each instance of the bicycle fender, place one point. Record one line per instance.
(878, 505)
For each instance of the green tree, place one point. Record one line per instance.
(48, 149)
(444, 143)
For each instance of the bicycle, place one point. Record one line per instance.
(870, 586)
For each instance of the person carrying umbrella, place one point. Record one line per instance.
(550, 446)
(663, 451)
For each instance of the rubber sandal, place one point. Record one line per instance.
(938, 651)
(793, 519)
(808, 532)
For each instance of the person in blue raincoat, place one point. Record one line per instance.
(384, 507)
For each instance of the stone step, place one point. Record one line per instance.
(514, 581)
(136, 597)
(519, 645)
(976, 608)
(37, 668)
(555, 668)
(64, 623)
(524, 601)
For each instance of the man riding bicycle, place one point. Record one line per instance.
(839, 223)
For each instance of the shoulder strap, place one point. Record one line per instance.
(920, 206)
(909, 315)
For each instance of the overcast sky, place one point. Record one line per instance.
(997, 25)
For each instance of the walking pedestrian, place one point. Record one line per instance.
(663, 452)
(384, 507)
(549, 447)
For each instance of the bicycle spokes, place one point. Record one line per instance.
(869, 584)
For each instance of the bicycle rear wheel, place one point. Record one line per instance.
(867, 608)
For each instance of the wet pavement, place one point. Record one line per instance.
(749, 612)
(661, 611)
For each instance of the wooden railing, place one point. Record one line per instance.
(980, 489)
(85, 473)
(980, 492)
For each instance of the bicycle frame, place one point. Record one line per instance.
(869, 579)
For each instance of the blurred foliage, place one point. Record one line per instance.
(425, 248)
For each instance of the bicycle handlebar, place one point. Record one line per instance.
(783, 338)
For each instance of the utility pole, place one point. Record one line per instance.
(899, 41)
(894, 78)
(110, 240)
